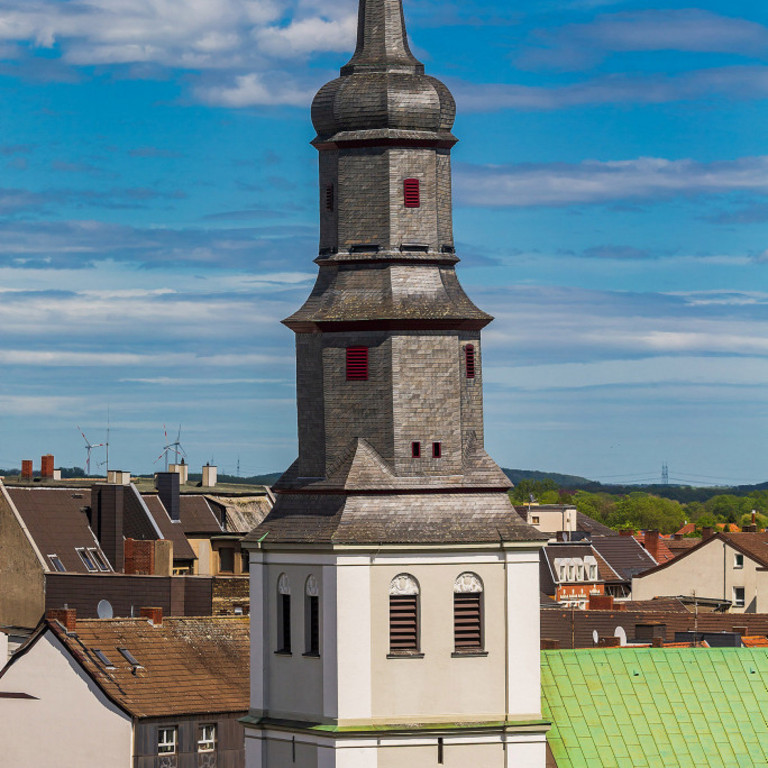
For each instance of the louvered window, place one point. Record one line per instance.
(467, 613)
(416, 450)
(357, 363)
(469, 359)
(283, 614)
(403, 614)
(312, 617)
(411, 194)
(329, 198)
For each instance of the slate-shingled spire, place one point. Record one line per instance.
(393, 452)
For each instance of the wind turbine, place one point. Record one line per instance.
(174, 446)
(89, 446)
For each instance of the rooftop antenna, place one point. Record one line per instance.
(89, 446)
(106, 445)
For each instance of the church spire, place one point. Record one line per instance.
(382, 42)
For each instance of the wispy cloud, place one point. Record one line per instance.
(594, 181)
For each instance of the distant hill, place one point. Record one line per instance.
(563, 481)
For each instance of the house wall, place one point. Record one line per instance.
(552, 520)
(230, 747)
(22, 594)
(708, 572)
(69, 723)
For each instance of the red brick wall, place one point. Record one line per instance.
(139, 557)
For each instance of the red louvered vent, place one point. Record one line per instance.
(403, 623)
(416, 450)
(467, 621)
(411, 193)
(357, 363)
(469, 359)
(329, 201)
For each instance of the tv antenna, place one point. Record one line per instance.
(664, 474)
(89, 446)
(169, 447)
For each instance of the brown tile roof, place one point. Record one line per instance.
(593, 527)
(197, 515)
(241, 514)
(625, 555)
(678, 546)
(687, 528)
(57, 523)
(662, 551)
(173, 531)
(188, 665)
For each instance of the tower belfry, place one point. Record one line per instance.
(394, 588)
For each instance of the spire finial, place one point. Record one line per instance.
(382, 42)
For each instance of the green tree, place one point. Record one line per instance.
(524, 489)
(642, 510)
(598, 506)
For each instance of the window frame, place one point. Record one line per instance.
(202, 740)
(470, 361)
(283, 616)
(99, 559)
(230, 550)
(311, 617)
(437, 450)
(739, 602)
(357, 368)
(58, 566)
(416, 449)
(738, 560)
(468, 614)
(90, 565)
(404, 606)
(165, 746)
(412, 193)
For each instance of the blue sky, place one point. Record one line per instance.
(158, 218)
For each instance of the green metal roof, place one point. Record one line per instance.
(657, 707)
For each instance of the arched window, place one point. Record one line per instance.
(283, 614)
(312, 617)
(467, 612)
(404, 614)
(469, 360)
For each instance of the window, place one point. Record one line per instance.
(469, 360)
(102, 657)
(437, 450)
(312, 617)
(738, 560)
(98, 558)
(416, 450)
(86, 558)
(129, 657)
(57, 564)
(467, 613)
(167, 739)
(246, 562)
(227, 559)
(206, 738)
(411, 194)
(357, 363)
(329, 201)
(283, 614)
(738, 597)
(403, 615)
(534, 520)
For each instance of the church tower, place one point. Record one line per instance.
(394, 589)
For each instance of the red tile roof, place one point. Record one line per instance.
(662, 551)
(754, 641)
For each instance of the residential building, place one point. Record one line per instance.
(550, 518)
(731, 567)
(149, 692)
(394, 590)
(632, 707)
(571, 572)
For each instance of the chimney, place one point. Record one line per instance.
(678, 536)
(46, 465)
(107, 504)
(626, 532)
(65, 616)
(27, 473)
(154, 615)
(210, 476)
(549, 644)
(657, 642)
(167, 484)
(118, 477)
(706, 532)
(140, 556)
(182, 470)
(652, 544)
(609, 642)
(650, 631)
(741, 629)
(600, 602)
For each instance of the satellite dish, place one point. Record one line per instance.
(621, 634)
(104, 609)
(595, 637)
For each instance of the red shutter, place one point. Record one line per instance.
(469, 358)
(403, 623)
(411, 193)
(357, 363)
(467, 621)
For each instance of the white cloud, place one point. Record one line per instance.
(594, 181)
(48, 358)
(304, 36)
(255, 90)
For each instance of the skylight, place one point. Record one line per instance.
(129, 657)
(86, 558)
(57, 564)
(101, 656)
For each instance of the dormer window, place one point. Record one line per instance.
(411, 193)
(357, 363)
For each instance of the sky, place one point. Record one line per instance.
(158, 218)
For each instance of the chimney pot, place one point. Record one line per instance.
(153, 614)
(67, 617)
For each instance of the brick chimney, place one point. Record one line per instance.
(706, 532)
(657, 642)
(154, 615)
(140, 556)
(46, 466)
(27, 471)
(609, 642)
(600, 602)
(65, 616)
(652, 544)
(549, 644)
(107, 504)
(167, 484)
